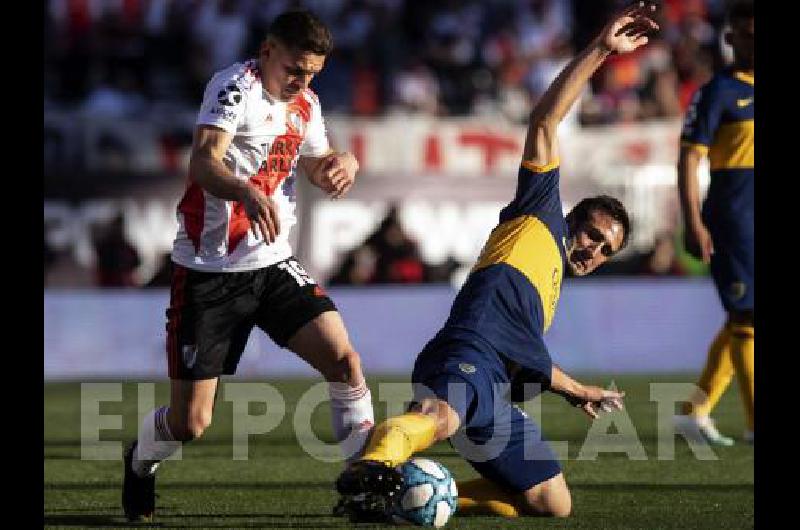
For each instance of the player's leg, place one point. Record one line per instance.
(207, 329)
(445, 392)
(743, 357)
(324, 344)
(715, 377)
(297, 314)
(161, 434)
(396, 439)
(731, 269)
(520, 473)
(482, 496)
(367, 486)
(444, 395)
(714, 380)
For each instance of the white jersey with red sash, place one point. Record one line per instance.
(269, 137)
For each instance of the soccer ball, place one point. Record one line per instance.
(428, 497)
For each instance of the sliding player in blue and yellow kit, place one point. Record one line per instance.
(719, 124)
(492, 344)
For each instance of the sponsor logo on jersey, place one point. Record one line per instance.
(467, 368)
(225, 114)
(230, 96)
(741, 103)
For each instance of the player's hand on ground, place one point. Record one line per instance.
(629, 28)
(698, 242)
(338, 173)
(262, 212)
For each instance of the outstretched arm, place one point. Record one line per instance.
(588, 398)
(626, 32)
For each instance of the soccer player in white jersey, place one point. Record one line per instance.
(233, 265)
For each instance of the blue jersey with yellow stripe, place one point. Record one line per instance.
(510, 296)
(719, 122)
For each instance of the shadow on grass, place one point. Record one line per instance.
(94, 521)
(178, 521)
(69, 486)
(649, 486)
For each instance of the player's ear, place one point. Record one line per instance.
(267, 45)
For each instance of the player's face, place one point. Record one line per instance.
(742, 39)
(287, 71)
(593, 243)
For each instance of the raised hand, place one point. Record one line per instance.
(628, 29)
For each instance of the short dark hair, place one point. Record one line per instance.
(583, 210)
(303, 31)
(740, 10)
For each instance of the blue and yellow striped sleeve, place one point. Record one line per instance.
(537, 191)
(702, 118)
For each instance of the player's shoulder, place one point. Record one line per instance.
(243, 75)
(721, 83)
(311, 97)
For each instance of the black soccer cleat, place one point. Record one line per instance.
(368, 489)
(138, 494)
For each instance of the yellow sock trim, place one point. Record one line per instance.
(397, 438)
(483, 497)
(715, 378)
(743, 358)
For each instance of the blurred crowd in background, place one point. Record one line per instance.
(124, 58)
(440, 57)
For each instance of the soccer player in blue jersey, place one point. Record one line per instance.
(491, 344)
(719, 124)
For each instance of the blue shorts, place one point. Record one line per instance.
(732, 267)
(497, 438)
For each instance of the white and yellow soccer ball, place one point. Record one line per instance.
(429, 496)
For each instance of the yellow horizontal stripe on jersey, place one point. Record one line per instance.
(747, 78)
(733, 146)
(526, 244)
(700, 148)
(540, 169)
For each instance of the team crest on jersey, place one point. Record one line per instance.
(295, 122)
(737, 290)
(189, 355)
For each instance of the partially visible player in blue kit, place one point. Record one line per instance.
(720, 124)
(492, 343)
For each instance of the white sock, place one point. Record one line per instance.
(352, 417)
(155, 443)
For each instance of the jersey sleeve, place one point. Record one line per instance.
(702, 117)
(537, 192)
(315, 143)
(223, 103)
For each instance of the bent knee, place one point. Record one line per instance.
(191, 427)
(345, 368)
(550, 499)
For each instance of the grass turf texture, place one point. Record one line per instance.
(280, 486)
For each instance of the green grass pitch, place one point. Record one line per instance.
(279, 486)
